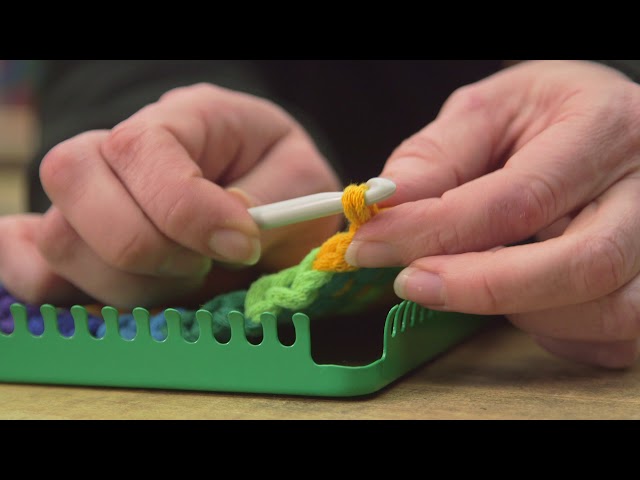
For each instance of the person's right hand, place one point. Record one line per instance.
(140, 212)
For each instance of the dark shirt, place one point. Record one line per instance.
(357, 111)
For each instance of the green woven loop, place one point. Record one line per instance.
(294, 288)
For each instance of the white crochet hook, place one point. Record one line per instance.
(315, 206)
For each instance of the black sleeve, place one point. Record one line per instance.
(374, 104)
(631, 68)
(73, 96)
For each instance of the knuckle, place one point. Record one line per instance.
(619, 109)
(197, 89)
(126, 142)
(131, 253)
(633, 109)
(524, 208)
(58, 167)
(177, 215)
(541, 201)
(420, 145)
(428, 149)
(57, 241)
(410, 240)
(620, 325)
(599, 265)
(207, 89)
(202, 91)
(468, 98)
(617, 356)
(620, 316)
(446, 241)
(489, 299)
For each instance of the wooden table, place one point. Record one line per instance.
(18, 139)
(498, 374)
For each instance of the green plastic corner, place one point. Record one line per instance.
(412, 335)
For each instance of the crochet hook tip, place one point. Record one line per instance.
(379, 189)
(317, 205)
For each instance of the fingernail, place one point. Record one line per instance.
(235, 246)
(243, 196)
(371, 254)
(420, 287)
(187, 263)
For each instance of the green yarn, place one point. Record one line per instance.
(293, 289)
(316, 293)
(219, 306)
(300, 288)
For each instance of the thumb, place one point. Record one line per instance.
(23, 270)
(291, 169)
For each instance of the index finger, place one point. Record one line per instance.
(556, 172)
(173, 157)
(594, 257)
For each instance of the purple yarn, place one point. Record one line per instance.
(6, 325)
(6, 320)
(128, 329)
(35, 323)
(66, 324)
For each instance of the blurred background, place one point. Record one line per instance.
(18, 131)
(357, 111)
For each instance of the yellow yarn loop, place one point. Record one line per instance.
(330, 257)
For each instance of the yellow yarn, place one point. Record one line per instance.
(330, 257)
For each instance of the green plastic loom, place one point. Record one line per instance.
(347, 351)
(409, 336)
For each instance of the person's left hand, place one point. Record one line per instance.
(153, 212)
(549, 149)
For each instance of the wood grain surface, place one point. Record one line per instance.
(498, 374)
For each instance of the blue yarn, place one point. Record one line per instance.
(66, 325)
(35, 323)
(365, 286)
(128, 329)
(220, 307)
